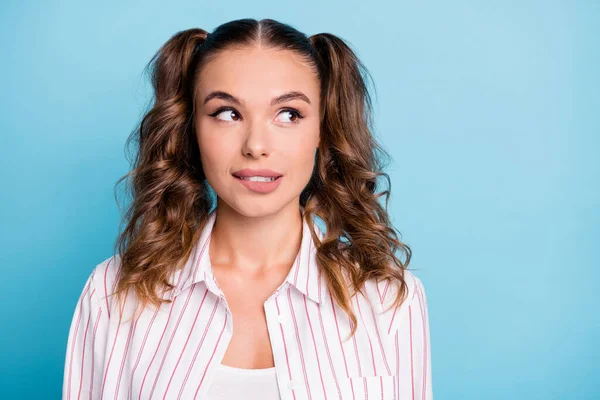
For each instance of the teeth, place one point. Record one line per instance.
(258, 178)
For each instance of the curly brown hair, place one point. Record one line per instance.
(171, 198)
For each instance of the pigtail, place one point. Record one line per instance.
(166, 178)
(174, 62)
(349, 164)
(347, 103)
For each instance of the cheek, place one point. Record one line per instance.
(211, 161)
(214, 152)
(301, 153)
(302, 160)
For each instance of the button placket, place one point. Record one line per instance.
(278, 320)
(281, 318)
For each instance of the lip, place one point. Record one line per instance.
(246, 172)
(260, 187)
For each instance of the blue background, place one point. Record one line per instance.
(490, 111)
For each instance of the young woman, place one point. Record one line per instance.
(222, 286)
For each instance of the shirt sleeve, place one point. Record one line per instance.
(408, 325)
(412, 345)
(84, 359)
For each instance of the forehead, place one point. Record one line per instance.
(255, 73)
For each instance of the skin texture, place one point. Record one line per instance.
(256, 236)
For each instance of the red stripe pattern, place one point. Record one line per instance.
(172, 352)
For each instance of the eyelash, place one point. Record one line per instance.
(292, 110)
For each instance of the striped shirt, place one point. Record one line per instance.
(173, 352)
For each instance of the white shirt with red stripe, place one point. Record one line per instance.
(174, 352)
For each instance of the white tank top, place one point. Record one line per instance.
(232, 383)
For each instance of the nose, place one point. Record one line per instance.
(256, 143)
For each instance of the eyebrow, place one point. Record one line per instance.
(288, 96)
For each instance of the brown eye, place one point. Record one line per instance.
(233, 115)
(294, 116)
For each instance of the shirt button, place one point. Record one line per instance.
(281, 318)
(291, 385)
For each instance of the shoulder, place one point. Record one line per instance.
(94, 299)
(104, 278)
(382, 295)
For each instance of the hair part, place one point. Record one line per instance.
(171, 199)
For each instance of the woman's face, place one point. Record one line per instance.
(257, 109)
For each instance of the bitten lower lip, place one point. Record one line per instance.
(260, 187)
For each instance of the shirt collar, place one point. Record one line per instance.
(304, 275)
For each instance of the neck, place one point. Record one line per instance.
(255, 244)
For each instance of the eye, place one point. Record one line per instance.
(224, 111)
(291, 114)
